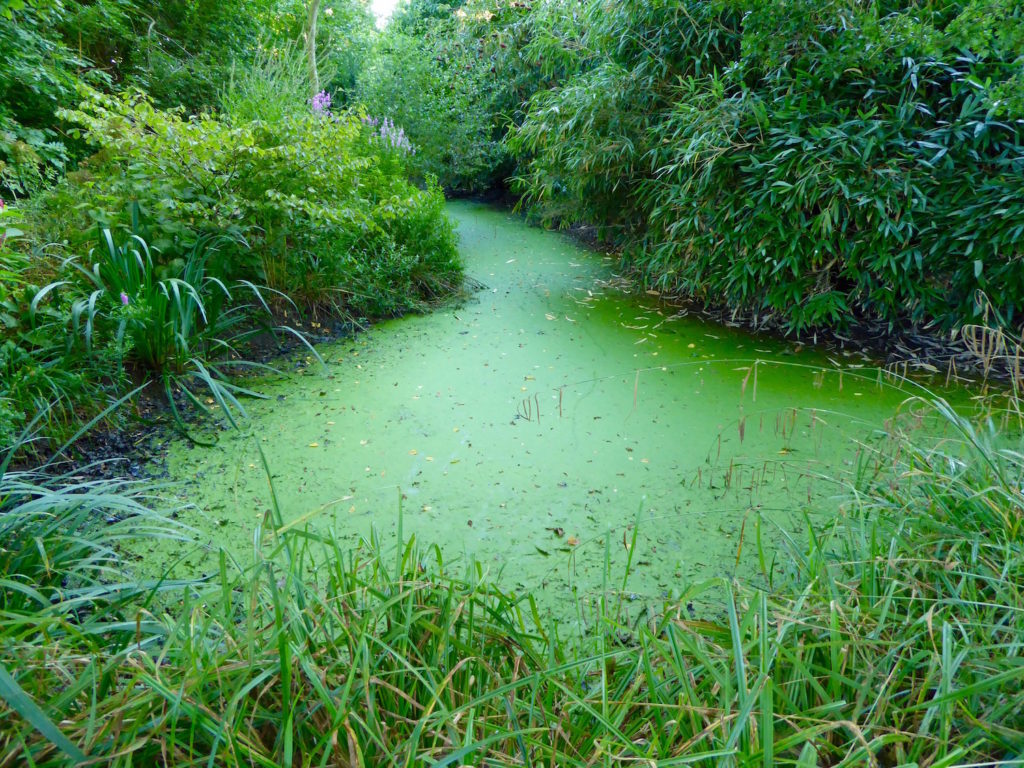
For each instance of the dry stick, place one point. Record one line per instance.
(739, 546)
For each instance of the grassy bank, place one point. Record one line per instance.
(181, 240)
(891, 638)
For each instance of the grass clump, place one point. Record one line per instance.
(893, 637)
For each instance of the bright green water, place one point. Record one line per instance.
(541, 419)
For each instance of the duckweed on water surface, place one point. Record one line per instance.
(548, 413)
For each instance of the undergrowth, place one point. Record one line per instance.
(893, 637)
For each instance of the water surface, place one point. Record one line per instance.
(530, 429)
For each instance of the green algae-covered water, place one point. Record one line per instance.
(538, 428)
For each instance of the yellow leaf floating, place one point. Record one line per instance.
(413, 452)
(314, 445)
(572, 541)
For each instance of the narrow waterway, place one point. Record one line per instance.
(530, 429)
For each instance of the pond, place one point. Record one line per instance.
(550, 430)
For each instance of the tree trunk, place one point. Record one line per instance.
(314, 74)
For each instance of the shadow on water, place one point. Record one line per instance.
(546, 417)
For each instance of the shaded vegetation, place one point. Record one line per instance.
(181, 52)
(810, 162)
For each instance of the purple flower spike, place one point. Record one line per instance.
(390, 135)
(321, 103)
(124, 298)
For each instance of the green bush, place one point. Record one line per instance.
(808, 161)
(274, 86)
(38, 373)
(194, 214)
(310, 195)
(437, 88)
(68, 348)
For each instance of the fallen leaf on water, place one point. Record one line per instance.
(557, 531)
(572, 541)
(542, 551)
(363, 442)
(549, 316)
(314, 445)
(413, 452)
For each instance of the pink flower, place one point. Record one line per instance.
(124, 298)
(321, 103)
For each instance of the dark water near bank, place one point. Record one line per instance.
(531, 428)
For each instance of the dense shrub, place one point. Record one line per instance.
(207, 229)
(811, 161)
(312, 196)
(437, 90)
(38, 73)
(180, 52)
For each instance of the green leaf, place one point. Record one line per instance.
(15, 697)
(808, 757)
